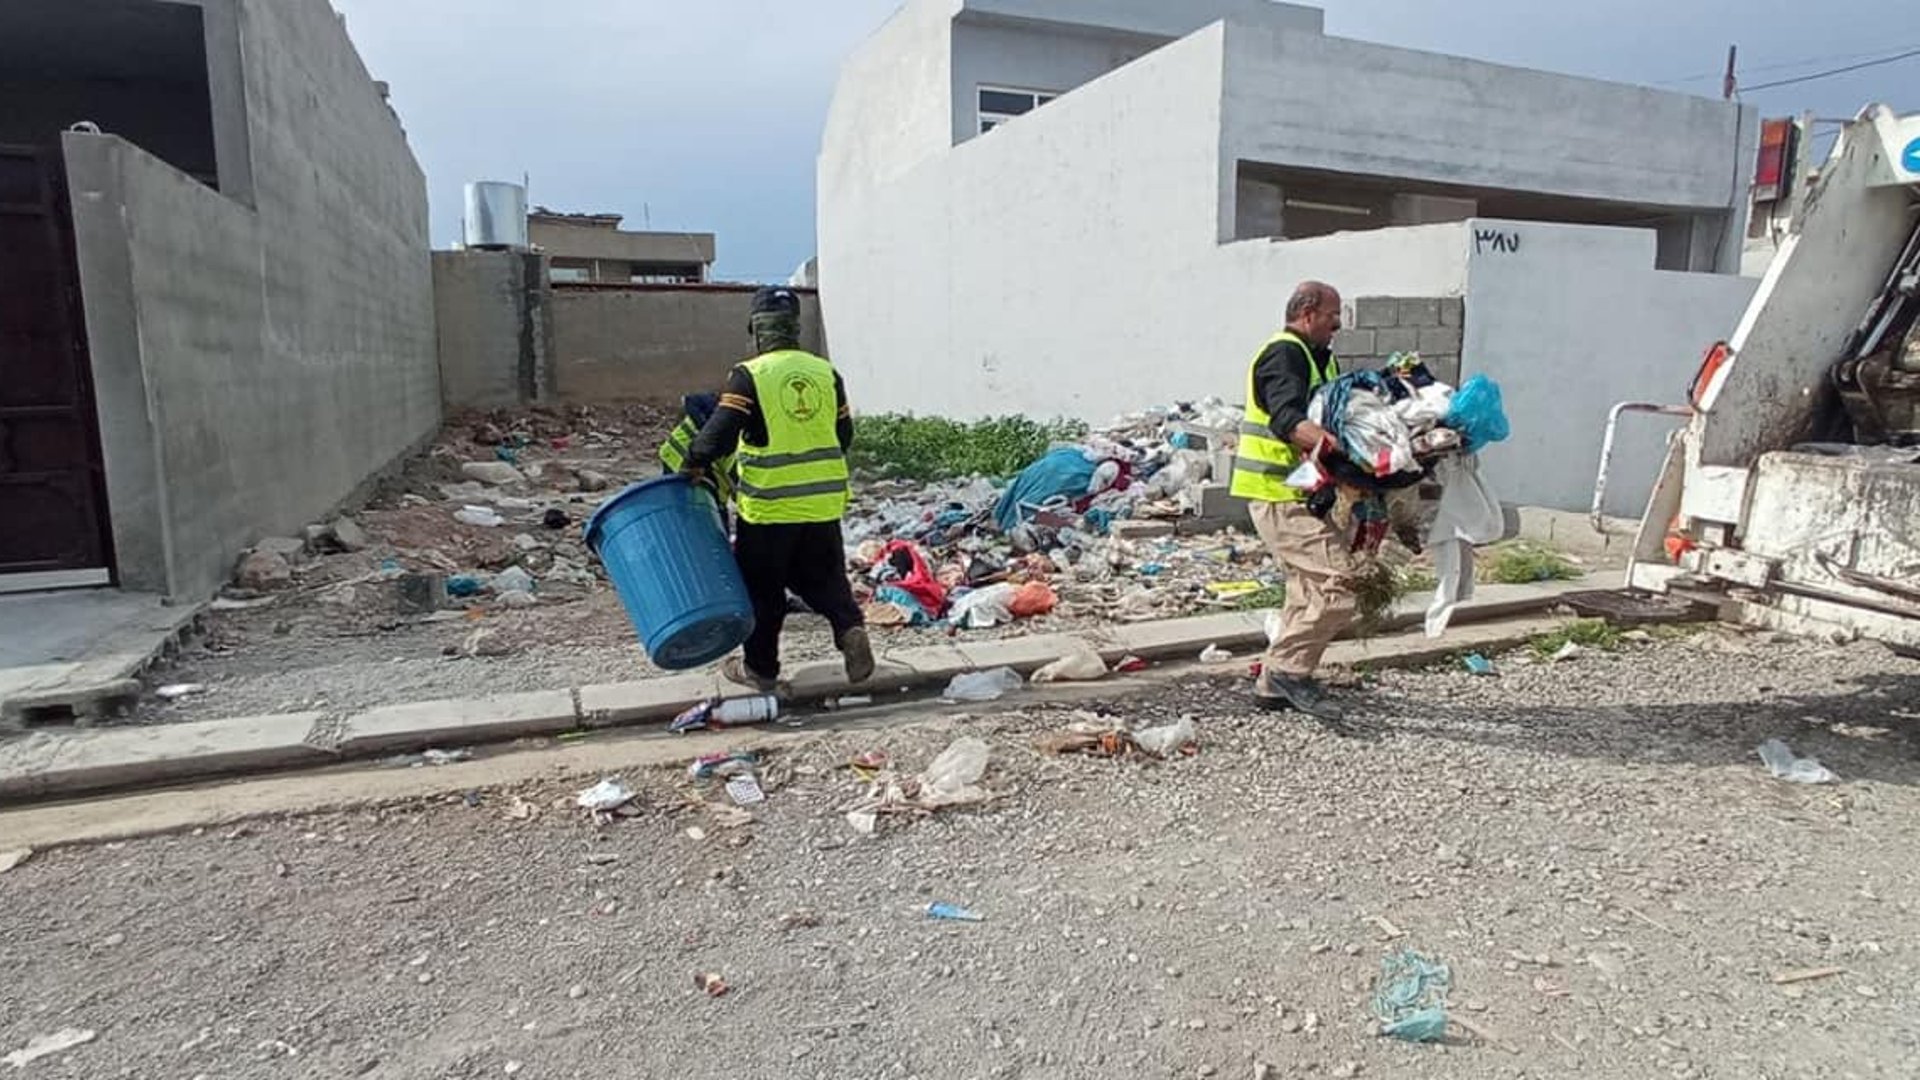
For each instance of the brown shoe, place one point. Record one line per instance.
(858, 651)
(736, 671)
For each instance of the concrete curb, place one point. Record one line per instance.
(46, 765)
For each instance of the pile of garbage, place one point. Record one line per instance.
(1086, 529)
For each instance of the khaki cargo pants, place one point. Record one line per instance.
(1321, 576)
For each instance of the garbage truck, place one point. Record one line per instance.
(1790, 494)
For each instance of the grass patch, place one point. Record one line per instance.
(1270, 597)
(1524, 563)
(1586, 633)
(930, 448)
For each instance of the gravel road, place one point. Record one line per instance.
(1593, 847)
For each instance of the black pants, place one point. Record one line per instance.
(808, 559)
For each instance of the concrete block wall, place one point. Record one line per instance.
(507, 337)
(492, 310)
(655, 342)
(1379, 326)
(261, 350)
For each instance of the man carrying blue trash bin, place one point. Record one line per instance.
(784, 418)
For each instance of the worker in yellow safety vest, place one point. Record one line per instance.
(696, 410)
(1275, 437)
(784, 417)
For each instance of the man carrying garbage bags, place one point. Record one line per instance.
(784, 419)
(1275, 436)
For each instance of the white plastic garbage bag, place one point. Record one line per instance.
(1080, 664)
(974, 686)
(1469, 514)
(983, 609)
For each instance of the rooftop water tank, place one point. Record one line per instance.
(496, 216)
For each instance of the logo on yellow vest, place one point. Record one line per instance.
(802, 398)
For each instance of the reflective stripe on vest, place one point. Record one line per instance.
(800, 476)
(1262, 463)
(673, 454)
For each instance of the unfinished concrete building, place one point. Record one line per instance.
(216, 303)
(593, 248)
(1085, 208)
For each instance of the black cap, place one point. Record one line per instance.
(775, 300)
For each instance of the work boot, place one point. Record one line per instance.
(858, 652)
(736, 671)
(1279, 693)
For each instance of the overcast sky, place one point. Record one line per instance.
(706, 117)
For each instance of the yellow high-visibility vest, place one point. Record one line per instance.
(801, 475)
(1263, 463)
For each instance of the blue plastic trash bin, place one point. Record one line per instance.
(663, 546)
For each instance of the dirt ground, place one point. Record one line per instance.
(1592, 847)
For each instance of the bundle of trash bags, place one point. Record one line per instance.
(1392, 423)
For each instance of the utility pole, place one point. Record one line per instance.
(1728, 86)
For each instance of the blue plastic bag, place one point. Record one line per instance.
(1477, 414)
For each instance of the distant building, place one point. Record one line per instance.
(593, 248)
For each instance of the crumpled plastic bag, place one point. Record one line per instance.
(1469, 513)
(1032, 599)
(1080, 664)
(983, 685)
(983, 609)
(1478, 414)
(1167, 740)
(1782, 763)
(1427, 407)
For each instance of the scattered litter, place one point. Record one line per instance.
(1410, 1000)
(722, 765)
(1387, 928)
(555, 518)
(1233, 590)
(14, 857)
(1782, 763)
(711, 984)
(976, 686)
(1788, 978)
(867, 763)
(1214, 654)
(461, 586)
(952, 779)
(747, 710)
(953, 913)
(695, 832)
(603, 858)
(1567, 652)
(1168, 740)
(519, 810)
(46, 1045)
(1080, 664)
(512, 580)
(605, 796)
(745, 790)
(694, 719)
(483, 516)
(1127, 665)
(1478, 665)
(175, 691)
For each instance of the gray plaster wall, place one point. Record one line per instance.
(492, 310)
(654, 343)
(1290, 98)
(283, 350)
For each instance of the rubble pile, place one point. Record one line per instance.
(1102, 528)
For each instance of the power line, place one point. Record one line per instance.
(1836, 71)
(1782, 65)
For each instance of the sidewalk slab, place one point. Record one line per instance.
(71, 763)
(612, 704)
(75, 654)
(440, 723)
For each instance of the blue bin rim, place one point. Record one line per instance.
(593, 522)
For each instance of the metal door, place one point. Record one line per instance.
(53, 521)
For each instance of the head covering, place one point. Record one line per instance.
(775, 299)
(774, 318)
